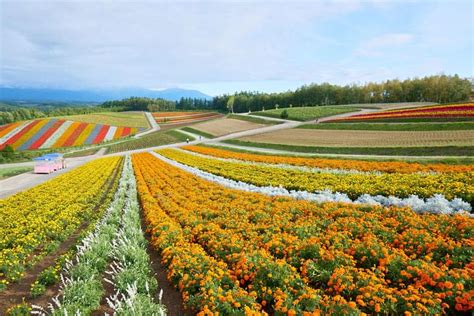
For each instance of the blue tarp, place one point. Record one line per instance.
(48, 157)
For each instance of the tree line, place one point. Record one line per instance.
(157, 105)
(439, 89)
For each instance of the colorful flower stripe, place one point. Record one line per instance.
(12, 131)
(54, 133)
(11, 141)
(118, 132)
(81, 138)
(383, 166)
(47, 134)
(49, 143)
(31, 132)
(36, 134)
(352, 259)
(92, 135)
(110, 133)
(454, 110)
(425, 185)
(5, 129)
(101, 135)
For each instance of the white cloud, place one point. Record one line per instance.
(377, 46)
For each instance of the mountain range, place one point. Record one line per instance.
(59, 95)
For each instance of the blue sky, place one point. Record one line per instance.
(224, 46)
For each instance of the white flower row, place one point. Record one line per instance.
(130, 272)
(81, 288)
(435, 204)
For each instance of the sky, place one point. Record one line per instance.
(226, 46)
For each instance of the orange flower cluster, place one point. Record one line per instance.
(383, 166)
(230, 251)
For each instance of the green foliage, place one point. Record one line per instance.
(307, 113)
(22, 309)
(198, 132)
(439, 88)
(284, 114)
(37, 289)
(150, 140)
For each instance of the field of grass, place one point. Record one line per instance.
(225, 126)
(427, 126)
(150, 140)
(382, 151)
(82, 153)
(13, 171)
(130, 119)
(308, 113)
(361, 138)
(253, 119)
(198, 132)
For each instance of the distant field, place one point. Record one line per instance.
(308, 113)
(426, 126)
(171, 118)
(382, 151)
(358, 138)
(150, 140)
(130, 119)
(450, 112)
(225, 126)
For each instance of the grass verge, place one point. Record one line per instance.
(253, 119)
(13, 171)
(198, 132)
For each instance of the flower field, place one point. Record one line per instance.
(183, 117)
(465, 110)
(56, 133)
(382, 166)
(35, 221)
(234, 252)
(355, 184)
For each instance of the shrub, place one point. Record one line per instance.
(284, 114)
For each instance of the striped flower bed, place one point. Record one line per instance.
(182, 117)
(55, 133)
(437, 111)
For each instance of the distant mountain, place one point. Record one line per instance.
(49, 95)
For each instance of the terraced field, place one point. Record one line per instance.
(130, 119)
(226, 126)
(361, 138)
(173, 118)
(57, 133)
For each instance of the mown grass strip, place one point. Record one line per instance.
(198, 132)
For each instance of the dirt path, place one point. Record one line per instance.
(154, 126)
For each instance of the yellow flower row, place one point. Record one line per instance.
(297, 257)
(402, 185)
(383, 166)
(36, 220)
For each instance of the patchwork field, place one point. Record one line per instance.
(451, 112)
(57, 133)
(225, 126)
(308, 113)
(172, 118)
(359, 138)
(130, 119)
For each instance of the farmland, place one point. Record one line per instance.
(172, 118)
(362, 138)
(450, 112)
(225, 126)
(130, 119)
(308, 113)
(58, 133)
